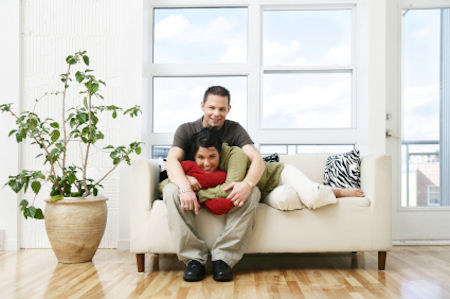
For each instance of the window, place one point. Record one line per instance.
(295, 149)
(425, 107)
(290, 71)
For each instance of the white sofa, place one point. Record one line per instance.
(351, 225)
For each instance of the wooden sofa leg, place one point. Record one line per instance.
(140, 259)
(155, 262)
(381, 260)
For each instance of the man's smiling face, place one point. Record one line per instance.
(215, 110)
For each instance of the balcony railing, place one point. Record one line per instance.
(421, 159)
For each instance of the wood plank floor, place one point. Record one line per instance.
(411, 272)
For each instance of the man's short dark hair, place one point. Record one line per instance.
(207, 137)
(218, 91)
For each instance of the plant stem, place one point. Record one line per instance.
(52, 163)
(64, 120)
(108, 173)
(88, 146)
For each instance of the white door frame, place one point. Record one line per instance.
(410, 225)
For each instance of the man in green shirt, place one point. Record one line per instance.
(182, 203)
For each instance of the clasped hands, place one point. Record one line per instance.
(239, 194)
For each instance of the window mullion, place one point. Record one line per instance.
(254, 78)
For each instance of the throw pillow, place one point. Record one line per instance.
(271, 158)
(343, 170)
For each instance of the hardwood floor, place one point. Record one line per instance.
(411, 272)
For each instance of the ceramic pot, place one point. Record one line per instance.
(75, 227)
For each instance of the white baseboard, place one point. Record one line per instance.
(123, 244)
(11, 244)
(2, 238)
(420, 242)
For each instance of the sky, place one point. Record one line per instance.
(420, 69)
(219, 35)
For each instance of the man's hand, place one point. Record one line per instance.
(240, 193)
(188, 201)
(195, 185)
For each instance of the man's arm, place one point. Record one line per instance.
(241, 190)
(176, 174)
(257, 165)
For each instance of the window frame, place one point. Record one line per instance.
(253, 69)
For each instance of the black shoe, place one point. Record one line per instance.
(195, 271)
(221, 271)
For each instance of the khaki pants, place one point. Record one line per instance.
(230, 244)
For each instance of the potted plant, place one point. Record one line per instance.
(75, 215)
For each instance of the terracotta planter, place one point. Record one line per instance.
(75, 227)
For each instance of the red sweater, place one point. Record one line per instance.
(207, 180)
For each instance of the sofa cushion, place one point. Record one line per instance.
(343, 170)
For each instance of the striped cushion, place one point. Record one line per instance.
(343, 170)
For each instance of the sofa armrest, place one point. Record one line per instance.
(376, 180)
(144, 182)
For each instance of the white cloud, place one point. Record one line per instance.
(423, 33)
(220, 24)
(415, 97)
(172, 26)
(236, 52)
(276, 53)
(309, 106)
(338, 56)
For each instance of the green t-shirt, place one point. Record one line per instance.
(231, 132)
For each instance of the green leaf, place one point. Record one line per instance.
(85, 102)
(108, 147)
(23, 203)
(95, 191)
(138, 150)
(12, 132)
(86, 59)
(72, 178)
(55, 135)
(114, 114)
(94, 88)
(19, 137)
(36, 186)
(116, 161)
(39, 214)
(54, 125)
(56, 197)
(32, 211)
(26, 213)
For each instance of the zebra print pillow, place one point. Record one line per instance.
(343, 170)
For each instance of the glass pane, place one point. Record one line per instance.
(307, 100)
(324, 149)
(307, 37)
(269, 149)
(177, 100)
(421, 105)
(420, 174)
(289, 149)
(200, 35)
(160, 151)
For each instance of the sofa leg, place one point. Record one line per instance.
(381, 260)
(140, 259)
(155, 262)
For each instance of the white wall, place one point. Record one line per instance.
(10, 93)
(111, 33)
